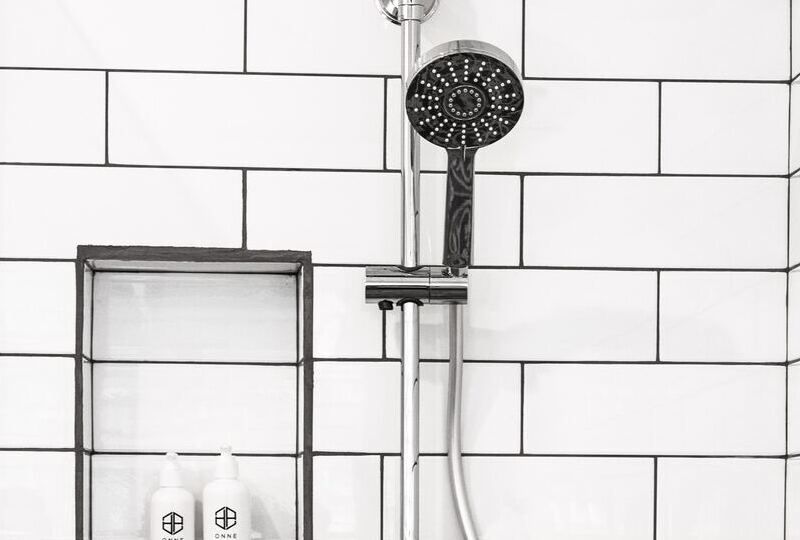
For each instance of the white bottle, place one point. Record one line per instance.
(172, 505)
(226, 502)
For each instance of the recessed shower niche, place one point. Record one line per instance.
(186, 350)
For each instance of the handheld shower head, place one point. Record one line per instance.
(465, 95)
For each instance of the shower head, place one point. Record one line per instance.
(465, 95)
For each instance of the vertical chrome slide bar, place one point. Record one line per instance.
(410, 15)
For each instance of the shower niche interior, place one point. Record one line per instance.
(186, 350)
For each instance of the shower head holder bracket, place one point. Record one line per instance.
(399, 10)
(423, 285)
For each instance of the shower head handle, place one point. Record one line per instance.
(458, 207)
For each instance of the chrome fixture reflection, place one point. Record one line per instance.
(465, 95)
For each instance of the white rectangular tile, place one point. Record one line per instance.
(793, 404)
(315, 45)
(245, 120)
(525, 497)
(195, 317)
(720, 499)
(724, 128)
(123, 484)
(794, 220)
(490, 407)
(344, 324)
(39, 495)
(793, 326)
(496, 222)
(135, 407)
(347, 498)
(567, 126)
(48, 211)
(717, 39)
(552, 315)
(38, 307)
(663, 222)
(339, 217)
(143, 34)
(723, 316)
(655, 409)
(793, 499)
(52, 116)
(795, 24)
(357, 406)
(37, 397)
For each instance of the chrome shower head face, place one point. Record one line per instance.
(466, 94)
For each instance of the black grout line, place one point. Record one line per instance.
(566, 455)
(38, 355)
(574, 268)
(212, 453)
(381, 494)
(522, 409)
(384, 75)
(658, 316)
(659, 127)
(383, 334)
(613, 174)
(385, 119)
(244, 40)
(547, 362)
(522, 219)
(106, 120)
(78, 434)
(244, 208)
(522, 54)
(196, 363)
(655, 498)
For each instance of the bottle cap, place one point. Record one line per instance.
(226, 464)
(171, 472)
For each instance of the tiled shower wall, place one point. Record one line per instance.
(627, 336)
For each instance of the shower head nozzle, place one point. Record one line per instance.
(465, 95)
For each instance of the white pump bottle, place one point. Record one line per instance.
(226, 502)
(172, 505)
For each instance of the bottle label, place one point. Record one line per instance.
(172, 524)
(225, 519)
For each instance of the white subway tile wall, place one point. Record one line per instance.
(630, 315)
(128, 34)
(135, 408)
(350, 415)
(654, 409)
(793, 499)
(38, 307)
(724, 128)
(719, 317)
(111, 205)
(607, 498)
(245, 120)
(360, 212)
(45, 389)
(38, 492)
(749, 491)
(655, 222)
(679, 39)
(194, 317)
(52, 116)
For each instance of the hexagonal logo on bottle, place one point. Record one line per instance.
(225, 518)
(172, 523)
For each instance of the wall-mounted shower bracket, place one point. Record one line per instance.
(423, 285)
(397, 10)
